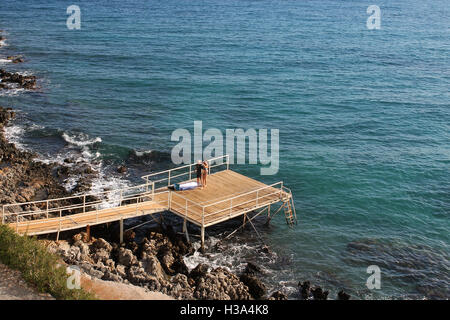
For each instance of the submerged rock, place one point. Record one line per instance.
(256, 288)
(278, 295)
(343, 296)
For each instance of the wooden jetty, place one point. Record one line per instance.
(227, 195)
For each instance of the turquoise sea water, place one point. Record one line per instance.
(364, 118)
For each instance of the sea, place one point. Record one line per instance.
(363, 116)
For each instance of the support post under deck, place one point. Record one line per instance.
(203, 238)
(185, 230)
(121, 231)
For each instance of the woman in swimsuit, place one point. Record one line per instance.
(204, 172)
(199, 172)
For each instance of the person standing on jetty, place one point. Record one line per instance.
(199, 172)
(204, 172)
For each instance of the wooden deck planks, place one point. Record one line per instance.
(221, 187)
(74, 221)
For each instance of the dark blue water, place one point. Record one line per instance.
(364, 118)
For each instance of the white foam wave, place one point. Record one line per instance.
(233, 258)
(80, 140)
(14, 134)
(11, 92)
(4, 61)
(3, 43)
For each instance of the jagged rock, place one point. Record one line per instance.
(343, 296)
(109, 276)
(15, 59)
(101, 255)
(165, 255)
(137, 275)
(102, 244)
(278, 295)
(199, 272)
(73, 255)
(256, 288)
(152, 266)
(84, 248)
(252, 269)
(305, 288)
(181, 287)
(129, 236)
(121, 169)
(222, 285)
(126, 257)
(319, 294)
(121, 270)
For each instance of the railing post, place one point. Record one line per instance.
(168, 180)
(203, 216)
(146, 184)
(153, 190)
(47, 208)
(228, 162)
(84, 203)
(190, 171)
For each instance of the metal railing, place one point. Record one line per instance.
(187, 172)
(75, 204)
(230, 206)
(89, 217)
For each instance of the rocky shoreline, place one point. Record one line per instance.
(156, 263)
(23, 179)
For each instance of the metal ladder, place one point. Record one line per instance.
(289, 212)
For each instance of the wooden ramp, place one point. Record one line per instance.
(81, 220)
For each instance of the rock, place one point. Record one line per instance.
(121, 169)
(15, 59)
(121, 270)
(84, 248)
(319, 294)
(137, 275)
(343, 296)
(101, 255)
(126, 257)
(256, 288)
(152, 266)
(278, 295)
(198, 272)
(129, 236)
(181, 287)
(109, 276)
(252, 269)
(220, 284)
(305, 288)
(73, 255)
(101, 244)
(165, 255)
